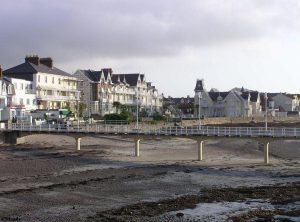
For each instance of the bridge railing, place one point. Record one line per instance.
(152, 130)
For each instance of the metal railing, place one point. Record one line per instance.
(152, 130)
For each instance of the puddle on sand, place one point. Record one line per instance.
(221, 211)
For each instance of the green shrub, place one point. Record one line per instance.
(159, 117)
(122, 116)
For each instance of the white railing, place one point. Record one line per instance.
(150, 130)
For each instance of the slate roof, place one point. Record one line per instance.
(214, 95)
(92, 75)
(30, 68)
(199, 85)
(253, 95)
(95, 76)
(106, 72)
(130, 79)
(292, 96)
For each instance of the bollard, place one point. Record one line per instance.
(78, 143)
(266, 153)
(137, 147)
(200, 149)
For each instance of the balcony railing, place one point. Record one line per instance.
(54, 97)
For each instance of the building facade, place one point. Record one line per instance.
(105, 92)
(53, 87)
(6, 94)
(232, 103)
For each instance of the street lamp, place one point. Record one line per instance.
(78, 112)
(199, 108)
(266, 107)
(137, 108)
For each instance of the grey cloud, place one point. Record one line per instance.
(74, 29)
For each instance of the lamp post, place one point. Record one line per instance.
(266, 107)
(137, 108)
(199, 108)
(89, 105)
(78, 112)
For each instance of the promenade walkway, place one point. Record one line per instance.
(199, 133)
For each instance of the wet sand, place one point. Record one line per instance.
(46, 179)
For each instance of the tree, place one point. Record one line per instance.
(82, 107)
(117, 105)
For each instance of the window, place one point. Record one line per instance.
(33, 102)
(59, 81)
(21, 101)
(46, 80)
(28, 101)
(53, 80)
(9, 89)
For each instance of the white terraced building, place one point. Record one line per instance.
(102, 89)
(53, 87)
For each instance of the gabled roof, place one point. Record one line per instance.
(30, 68)
(131, 79)
(253, 95)
(106, 72)
(95, 76)
(214, 95)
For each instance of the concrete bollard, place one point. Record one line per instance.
(266, 153)
(200, 149)
(137, 147)
(78, 140)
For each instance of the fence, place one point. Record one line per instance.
(166, 131)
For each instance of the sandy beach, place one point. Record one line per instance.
(46, 179)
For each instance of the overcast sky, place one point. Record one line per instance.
(228, 43)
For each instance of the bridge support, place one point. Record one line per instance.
(266, 152)
(78, 140)
(200, 144)
(137, 146)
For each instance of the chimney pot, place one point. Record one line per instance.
(34, 59)
(47, 62)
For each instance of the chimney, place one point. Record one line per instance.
(1, 72)
(34, 59)
(47, 62)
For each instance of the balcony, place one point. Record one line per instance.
(57, 98)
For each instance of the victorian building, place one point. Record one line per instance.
(105, 92)
(53, 87)
(6, 94)
(233, 103)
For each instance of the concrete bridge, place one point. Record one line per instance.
(15, 133)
